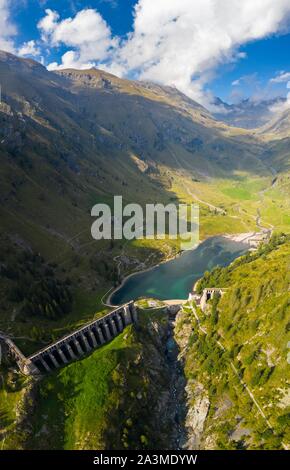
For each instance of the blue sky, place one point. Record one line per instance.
(206, 48)
(118, 13)
(264, 60)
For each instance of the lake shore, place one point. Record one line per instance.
(111, 292)
(125, 279)
(238, 238)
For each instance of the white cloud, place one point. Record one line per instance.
(250, 80)
(7, 29)
(87, 33)
(8, 32)
(242, 55)
(70, 60)
(281, 78)
(282, 105)
(29, 49)
(48, 24)
(174, 42)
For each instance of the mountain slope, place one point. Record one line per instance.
(248, 114)
(238, 351)
(74, 138)
(168, 124)
(116, 398)
(276, 133)
(278, 127)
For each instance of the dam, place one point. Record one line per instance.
(77, 344)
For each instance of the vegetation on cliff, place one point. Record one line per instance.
(116, 398)
(238, 351)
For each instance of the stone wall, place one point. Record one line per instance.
(208, 294)
(78, 343)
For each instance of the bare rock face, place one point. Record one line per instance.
(196, 415)
(196, 397)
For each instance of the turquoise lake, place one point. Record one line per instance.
(175, 279)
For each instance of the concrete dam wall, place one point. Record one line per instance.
(76, 344)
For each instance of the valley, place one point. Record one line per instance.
(215, 378)
(70, 139)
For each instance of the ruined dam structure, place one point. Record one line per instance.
(76, 344)
(207, 294)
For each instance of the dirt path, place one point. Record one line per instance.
(211, 206)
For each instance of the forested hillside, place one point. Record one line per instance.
(238, 350)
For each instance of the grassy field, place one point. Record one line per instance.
(231, 205)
